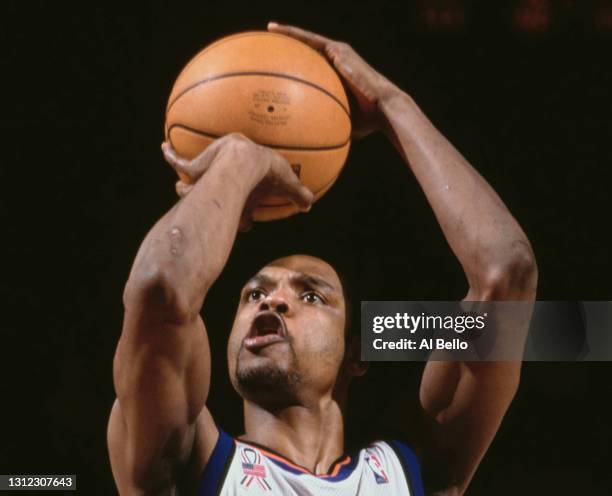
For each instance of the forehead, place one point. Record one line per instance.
(303, 265)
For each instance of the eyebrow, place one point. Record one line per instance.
(300, 279)
(306, 280)
(260, 280)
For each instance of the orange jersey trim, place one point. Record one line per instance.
(282, 459)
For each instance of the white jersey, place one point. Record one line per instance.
(239, 468)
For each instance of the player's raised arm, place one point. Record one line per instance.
(162, 363)
(487, 240)
(464, 403)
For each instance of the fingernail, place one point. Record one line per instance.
(272, 24)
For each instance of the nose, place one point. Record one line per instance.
(275, 304)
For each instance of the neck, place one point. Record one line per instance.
(311, 436)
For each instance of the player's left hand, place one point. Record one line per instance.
(365, 83)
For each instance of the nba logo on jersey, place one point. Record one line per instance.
(380, 475)
(252, 469)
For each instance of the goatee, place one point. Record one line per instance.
(269, 384)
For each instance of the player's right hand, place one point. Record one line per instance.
(190, 171)
(277, 176)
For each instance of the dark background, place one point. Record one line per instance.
(524, 94)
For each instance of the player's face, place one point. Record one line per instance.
(287, 341)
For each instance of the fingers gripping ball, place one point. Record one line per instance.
(275, 90)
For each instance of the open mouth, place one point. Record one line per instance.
(267, 328)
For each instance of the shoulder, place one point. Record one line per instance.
(215, 467)
(211, 447)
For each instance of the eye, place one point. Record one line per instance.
(312, 297)
(255, 295)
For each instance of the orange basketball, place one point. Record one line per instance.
(275, 90)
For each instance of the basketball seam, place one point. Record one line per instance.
(257, 73)
(282, 147)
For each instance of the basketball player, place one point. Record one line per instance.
(289, 354)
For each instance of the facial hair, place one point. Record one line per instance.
(269, 383)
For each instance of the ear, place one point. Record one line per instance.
(354, 365)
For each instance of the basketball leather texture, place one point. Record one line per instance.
(275, 90)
